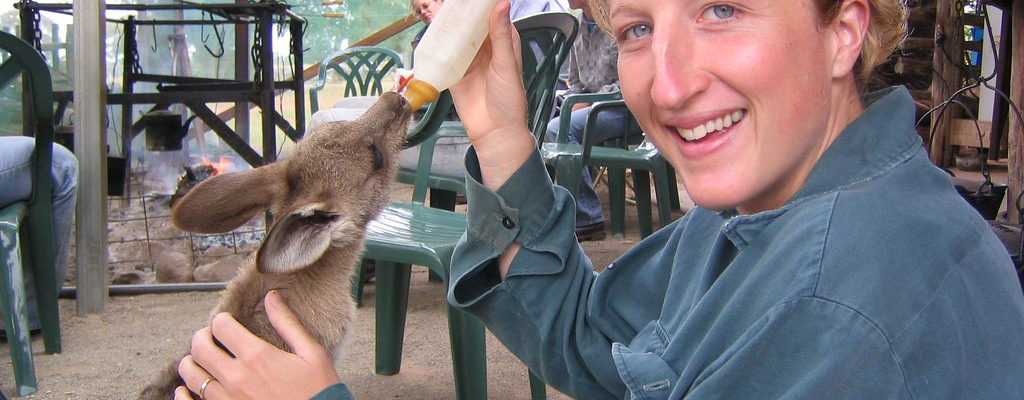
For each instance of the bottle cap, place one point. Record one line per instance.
(419, 92)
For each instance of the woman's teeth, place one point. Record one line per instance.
(714, 125)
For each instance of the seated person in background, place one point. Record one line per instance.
(426, 10)
(16, 181)
(592, 69)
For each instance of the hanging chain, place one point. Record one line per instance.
(296, 33)
(37, 36)
(131, 42)
(257, 56)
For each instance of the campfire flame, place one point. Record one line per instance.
(219, 167)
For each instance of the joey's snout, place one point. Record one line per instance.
(391, 113)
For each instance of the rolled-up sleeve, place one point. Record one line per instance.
(539, 311)
(337, 391)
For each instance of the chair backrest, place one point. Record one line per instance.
(25, 61)
(546, 39)
(364, 68)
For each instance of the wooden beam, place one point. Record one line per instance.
(91, 150)
(372, 40)
(946, 79)
(1016, 131)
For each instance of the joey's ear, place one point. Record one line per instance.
(851, 29)
(227, 201)
(296, 241)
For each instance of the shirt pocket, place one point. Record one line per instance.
(647, 376)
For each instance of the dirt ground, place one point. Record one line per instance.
(113, 355)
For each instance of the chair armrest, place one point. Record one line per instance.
(565, 115)
(591, 123)
(318, 85)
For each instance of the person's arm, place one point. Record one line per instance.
(574, 85)
(492, 106)
(255, 369)
(549, 308)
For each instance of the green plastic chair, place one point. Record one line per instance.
(546, 41)
(364, 68)
(644, 160)
(413, 233)
(406, 234)
(423, 131)
(29, 225)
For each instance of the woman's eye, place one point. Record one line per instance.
(720, 12)
(637, 31)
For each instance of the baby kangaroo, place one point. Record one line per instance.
(321, 199)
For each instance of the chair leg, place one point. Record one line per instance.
(469, 355)
(15, 310)
(567, 174)
(357, 283)
(673, 187)
(663, 188)
(392, 304)
(617, 200)
(538, 390)
(42, 259)
(642, 189)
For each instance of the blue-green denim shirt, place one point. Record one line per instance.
(875, 281)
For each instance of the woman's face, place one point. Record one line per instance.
(738, 95)
(426, 10)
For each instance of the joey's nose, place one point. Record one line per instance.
(398, 103)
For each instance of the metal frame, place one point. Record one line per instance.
(195, 93)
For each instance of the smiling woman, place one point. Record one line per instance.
(775, 285)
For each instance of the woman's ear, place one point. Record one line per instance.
(850, 29)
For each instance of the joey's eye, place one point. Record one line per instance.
(720, 12)
(636, 31)
(378, 158)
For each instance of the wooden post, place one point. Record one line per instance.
(1016, 131)
(241, 110)
(91, 150)
(947, 78)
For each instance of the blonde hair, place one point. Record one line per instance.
(886, 29)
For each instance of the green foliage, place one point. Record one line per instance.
(361, 18)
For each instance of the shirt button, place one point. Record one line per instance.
(507, 223)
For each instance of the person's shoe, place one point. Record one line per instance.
(590, 232)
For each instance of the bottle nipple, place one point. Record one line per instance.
(419, 92)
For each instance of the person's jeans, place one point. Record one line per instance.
(16, 184)
(609, 126)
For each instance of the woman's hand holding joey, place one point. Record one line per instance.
(258, 370)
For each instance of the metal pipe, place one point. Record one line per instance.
(69, 292)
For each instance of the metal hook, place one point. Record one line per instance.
(153, 45)
(204, 36)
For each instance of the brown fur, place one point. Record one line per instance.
(321, 199)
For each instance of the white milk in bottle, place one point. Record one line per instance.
(448, 46)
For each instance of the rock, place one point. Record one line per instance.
(221, 270)
(127, 278)
(172, 266)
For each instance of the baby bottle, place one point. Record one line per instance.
(448, 46)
